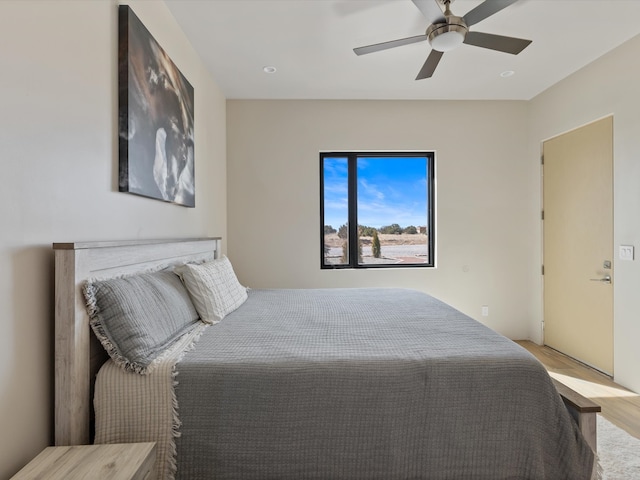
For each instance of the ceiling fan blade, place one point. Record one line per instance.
(430, 9)
(386, 45)
(485, 9)
(430, 65)
(496, 42)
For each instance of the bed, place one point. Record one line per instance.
(325, 383)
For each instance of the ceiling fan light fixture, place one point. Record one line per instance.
(447, 41)
(444, 37)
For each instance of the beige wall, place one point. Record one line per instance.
(607, 86)
(58, 101)
(486, 200)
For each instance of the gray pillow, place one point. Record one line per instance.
(138, 317)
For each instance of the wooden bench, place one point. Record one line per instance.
(583, 410)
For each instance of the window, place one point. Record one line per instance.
(376, 209)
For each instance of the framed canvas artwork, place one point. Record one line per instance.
(155, 108)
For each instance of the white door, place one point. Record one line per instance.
(578, 244)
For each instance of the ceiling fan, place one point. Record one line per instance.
(448, 31)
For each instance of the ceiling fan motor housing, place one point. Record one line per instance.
(447, 35)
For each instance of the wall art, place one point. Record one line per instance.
(156, 120)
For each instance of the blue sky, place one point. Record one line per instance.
(390, 190)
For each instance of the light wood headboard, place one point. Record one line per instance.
(78, 354)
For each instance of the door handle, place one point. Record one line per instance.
(605, 279)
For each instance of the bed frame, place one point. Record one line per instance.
(78, 354)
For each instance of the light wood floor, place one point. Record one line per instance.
(619, 405)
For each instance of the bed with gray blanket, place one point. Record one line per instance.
(367, 384)
(301, 384)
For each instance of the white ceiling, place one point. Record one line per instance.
(311, 42)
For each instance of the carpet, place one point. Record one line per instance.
(619, 452)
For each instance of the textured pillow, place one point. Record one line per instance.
(136, 318)
(214, 288)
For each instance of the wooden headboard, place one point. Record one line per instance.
(78, 354)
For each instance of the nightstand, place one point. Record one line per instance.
(124, 461)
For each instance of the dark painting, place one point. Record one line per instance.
(156, 139)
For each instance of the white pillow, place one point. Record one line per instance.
(214, 288)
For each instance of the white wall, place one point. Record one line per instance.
(485, 202)
(58, 147)
(607, 86)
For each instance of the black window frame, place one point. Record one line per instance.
(352, 181)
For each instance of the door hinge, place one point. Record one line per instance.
(542, 214)
(542, 269)
(542, 159)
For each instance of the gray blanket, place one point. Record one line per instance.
(368, 384)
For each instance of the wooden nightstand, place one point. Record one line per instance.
(125, 461)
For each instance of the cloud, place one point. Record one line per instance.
(377, 214)
(371, 190)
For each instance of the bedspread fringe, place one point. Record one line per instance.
(175, 416)
(598, 473)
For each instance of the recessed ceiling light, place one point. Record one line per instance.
(269, 69)
(507, 73)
